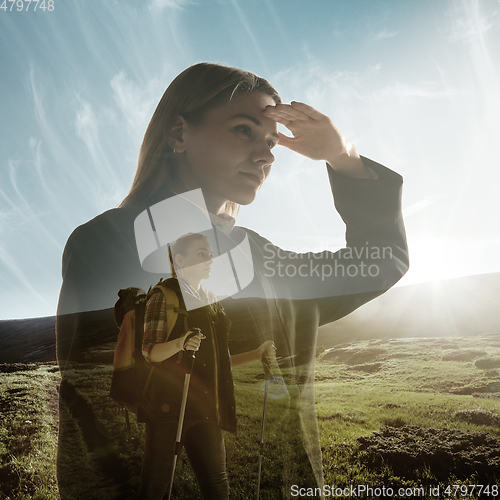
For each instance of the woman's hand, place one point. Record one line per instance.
(316, 137)
(194, 343)
(267, 352)
(164, 350)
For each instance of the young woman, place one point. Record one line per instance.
(210, 404)
(215, 129)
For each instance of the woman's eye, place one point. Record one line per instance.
(244, 129)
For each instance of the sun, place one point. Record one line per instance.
(435, 260)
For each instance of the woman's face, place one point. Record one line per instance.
(228, 155)
(197, 261)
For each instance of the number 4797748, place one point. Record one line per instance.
(20, 5)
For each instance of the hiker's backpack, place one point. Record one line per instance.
(131, 372)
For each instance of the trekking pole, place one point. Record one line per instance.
(187, 378)
(267, 375)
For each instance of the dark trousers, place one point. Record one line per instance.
(204, 445)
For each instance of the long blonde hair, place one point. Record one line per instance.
(191, 94)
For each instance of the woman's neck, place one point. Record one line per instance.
(215, 205)
(192, 282)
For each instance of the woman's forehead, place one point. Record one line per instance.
(246, 102)
(201, 243)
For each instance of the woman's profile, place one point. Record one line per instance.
(214, 129)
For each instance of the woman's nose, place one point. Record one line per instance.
(263, 154)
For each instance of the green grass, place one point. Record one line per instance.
(28, 434)
(412, 385)
(359, 389)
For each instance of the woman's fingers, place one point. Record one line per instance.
(315, 136)
(295, 111)
(271, 352)
(307, 110)
(278, 117)
(194, 343)
(286, 112)
(268, 352)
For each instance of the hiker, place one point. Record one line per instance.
(210, 404)
(214, 129)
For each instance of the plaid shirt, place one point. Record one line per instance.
(155, 323)
(155, 317)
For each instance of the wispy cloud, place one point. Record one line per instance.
(136, 102)
(384, 34)
(35, 146)
(11, 216)
(87, 129)
(87, 172)
(170, 4)
(324, 86)
(56, 143)
(417, 207)
(10, 265)
(318, 85)
(423, 89)
(248, 29)
(22, 209)
(468, 20)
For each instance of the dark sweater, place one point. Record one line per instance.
(289, 297)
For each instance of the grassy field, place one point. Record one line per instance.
(425, 393)
(28, 431)
(430, 383)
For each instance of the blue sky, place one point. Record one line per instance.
(414, 85)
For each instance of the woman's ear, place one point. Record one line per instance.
(177, 138)
(179, 260)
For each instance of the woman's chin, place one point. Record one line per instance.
(244, 198)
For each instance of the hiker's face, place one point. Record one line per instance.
(197, 261)
(229, 154)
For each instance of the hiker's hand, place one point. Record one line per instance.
(267, 352)
(193, 344)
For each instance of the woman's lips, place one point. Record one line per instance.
(254, 177)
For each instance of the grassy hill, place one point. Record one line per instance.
(460, 306)
(407, 396)
(454, 307)
(403, 413)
